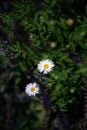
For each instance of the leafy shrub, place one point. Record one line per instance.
(38, 30)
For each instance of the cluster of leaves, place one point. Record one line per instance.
(39, 30)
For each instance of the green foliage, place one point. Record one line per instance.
(42, 30)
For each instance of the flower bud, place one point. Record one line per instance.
(52, 44)
(70, 22)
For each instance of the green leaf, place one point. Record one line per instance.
(22, 66)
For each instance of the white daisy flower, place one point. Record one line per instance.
(45, 66)
(32, 89)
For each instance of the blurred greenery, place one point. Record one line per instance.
(31, 31)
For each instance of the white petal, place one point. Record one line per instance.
(34, 84)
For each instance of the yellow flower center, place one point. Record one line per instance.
(32, 89)
(46, 66)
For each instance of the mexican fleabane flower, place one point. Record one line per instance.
(45, 66)
(32, 89)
